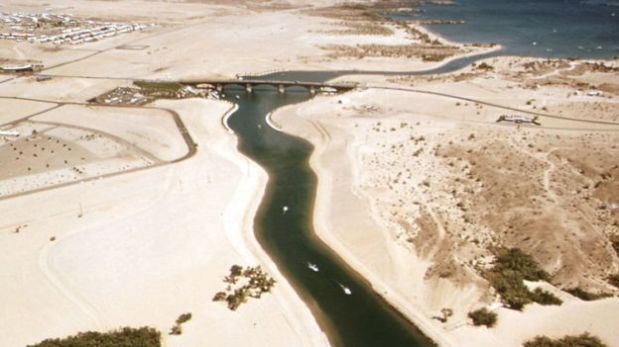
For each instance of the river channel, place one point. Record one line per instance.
(283, 224)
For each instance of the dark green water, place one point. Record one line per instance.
(356, 320)
(539, 28)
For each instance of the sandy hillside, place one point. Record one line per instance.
(437, 184)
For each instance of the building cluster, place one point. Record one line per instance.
(59, 29)
(35, 20)
(130, 96)
(123, 96)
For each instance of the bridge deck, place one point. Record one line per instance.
(275, 83)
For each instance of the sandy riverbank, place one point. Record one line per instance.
(374, 153)
(168, 225)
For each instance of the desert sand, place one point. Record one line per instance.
(141, 221)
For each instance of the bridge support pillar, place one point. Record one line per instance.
(281, 89)
(312, 90)
(248, 88)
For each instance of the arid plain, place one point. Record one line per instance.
(130, 215)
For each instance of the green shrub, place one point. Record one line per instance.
(485, 67)
(516, 260)
(183, 318)
(176, 330)
(125, 337)
(543, 297)
(511, 268)
(219, 296)
(587, 296)
(584, 340)
(509, 284)
(258, 282)
(238, 298)
(483, 317)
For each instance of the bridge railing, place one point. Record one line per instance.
(261, 73)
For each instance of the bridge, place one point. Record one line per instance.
(281, 86)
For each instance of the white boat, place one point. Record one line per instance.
(346, 290)
(328, 90)
(285, 209)
(313, 266)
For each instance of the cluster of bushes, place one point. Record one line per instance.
(177, 329)
(257, 282)
(587, 296)
(485, 67)
(483, 317)
(543, 297)
(614, 239)
(125, 337)
(512, 267)
(584, 340)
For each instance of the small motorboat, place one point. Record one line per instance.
(285, 209)
(346, 290)
(313, 267)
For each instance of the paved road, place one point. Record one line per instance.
(507, 108)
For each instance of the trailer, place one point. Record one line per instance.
(9, 133)
(518, 119)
